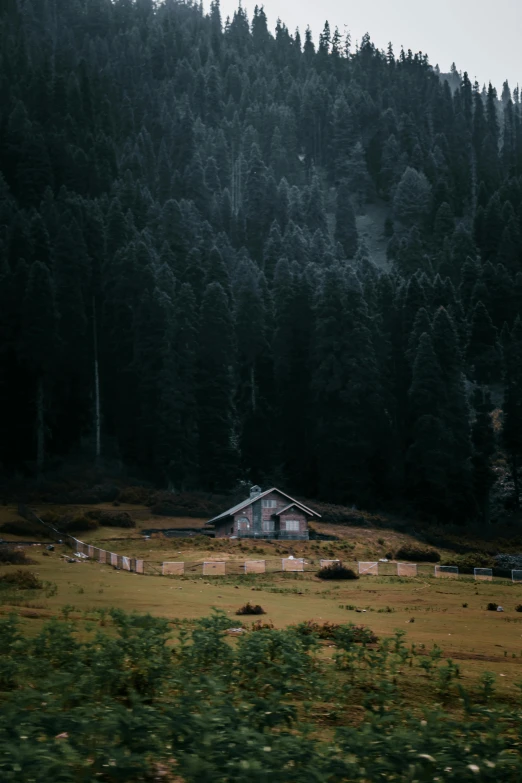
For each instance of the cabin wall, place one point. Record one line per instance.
(224, 529)
(294, 515)
(259, 516)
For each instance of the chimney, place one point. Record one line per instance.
(255, 491)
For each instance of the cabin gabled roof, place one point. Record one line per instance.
(240, 506)
(291, 505)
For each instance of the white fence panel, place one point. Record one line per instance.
(372, 569)
(329, 563)
(167, 569)
(447, 572)
(292, 564)
(255, 566)
(214, 568)
(483, 574)
(406, 569)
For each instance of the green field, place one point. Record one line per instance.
(434, 605)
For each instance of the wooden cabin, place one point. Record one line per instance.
(269, 514)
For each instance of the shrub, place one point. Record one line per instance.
(23, 527)
(322, 631)
(78, 523)
(14, 556)
(111, 518)
(417, 554)
(492, 606)
(79, 493)
(508, 561)
(346, 635)
(518, 608)
(336, 571)
(139, 496)
(23, 580)
(187, 504)
(249, 608)
(259, 625)
(466, 563)
(51, 518)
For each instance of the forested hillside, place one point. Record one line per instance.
(182, 285)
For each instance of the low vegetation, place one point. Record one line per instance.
(22, 527)
(111, 518)
(82, 521)
(13, 556)
(336, 571)
(249, 608)
(128, 700)
(417, 554)
(22, 580)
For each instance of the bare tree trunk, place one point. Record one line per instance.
(40, 428)
(97, 413)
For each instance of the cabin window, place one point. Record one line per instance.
(292, 524)
(243, 523)
(269, 503)
(267, 526)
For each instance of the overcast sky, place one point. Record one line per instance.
(482, 37)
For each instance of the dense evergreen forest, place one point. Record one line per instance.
(182, 282)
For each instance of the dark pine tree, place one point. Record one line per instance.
(345, 226)
(483, 438)
(512, 430)
(215, 391)
(37, 350)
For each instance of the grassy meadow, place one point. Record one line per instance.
(111, 675)
(450, 613)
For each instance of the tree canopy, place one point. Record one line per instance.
(184, 265)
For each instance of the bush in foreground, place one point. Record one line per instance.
(135, 704)
(417, 554)
(259, 625)
(492, 606)
(23, 580)
(344, 635)
(249, 608)
(337, 571)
